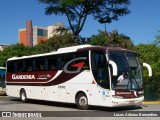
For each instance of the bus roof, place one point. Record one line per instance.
(74, 49)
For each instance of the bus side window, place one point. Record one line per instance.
(10, 66)
(59, 63)
(86, 61)
(40, 64)
(15, 66)
(20, 66)
(52, 63)
(29, 65)
(67, 58)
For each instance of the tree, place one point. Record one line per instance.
(76, 11)
(54, 43)
(113, 39)
(119, 40)
(149, 53)
(16, 50)
(100, 39)
(157, 41)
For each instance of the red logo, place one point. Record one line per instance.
(77, 65)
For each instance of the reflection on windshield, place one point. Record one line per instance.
(129, 72)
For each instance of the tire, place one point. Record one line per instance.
(23, 96)
(82, 101)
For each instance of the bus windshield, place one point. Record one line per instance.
(129, 74)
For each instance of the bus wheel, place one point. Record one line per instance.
(23, 96)
(82, 101)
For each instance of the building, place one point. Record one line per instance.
(32, 35)
(2, 46)
(56, 29)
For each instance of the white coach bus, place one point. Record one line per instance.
(84, 75)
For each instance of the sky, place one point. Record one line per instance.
(141, 25)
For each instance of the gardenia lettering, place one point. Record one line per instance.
(23, 76)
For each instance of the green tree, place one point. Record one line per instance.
(55, 42)
(76, 11)
(157, 41)
(16, 50)
(149, 53)
(111, 39)
(100, 39)
(119, 40)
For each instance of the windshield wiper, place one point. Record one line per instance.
(136, 83)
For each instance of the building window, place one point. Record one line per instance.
(42, 32)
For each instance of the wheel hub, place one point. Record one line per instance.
(83, 101)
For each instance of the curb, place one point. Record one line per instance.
(2, 93)
(3, 96)
(151, 102)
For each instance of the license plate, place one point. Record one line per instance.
(131, 102)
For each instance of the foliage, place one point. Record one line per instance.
(119, 40)
(150, 53)
(111, 39)
(55, 42)
(157, 41)
(16, 50)
(52, 44)
(100, 39)
(76, 11)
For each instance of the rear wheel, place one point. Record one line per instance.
(23, 96)
(82, 101)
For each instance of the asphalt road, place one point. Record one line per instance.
(47, 109)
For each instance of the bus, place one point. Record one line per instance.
(84, 75)
(2, 77)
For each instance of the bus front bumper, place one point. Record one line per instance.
(116, 102)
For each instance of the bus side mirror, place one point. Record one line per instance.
(149, 68)
(114, 66)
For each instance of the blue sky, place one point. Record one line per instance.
(141, 25)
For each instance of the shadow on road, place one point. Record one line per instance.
(115, 109)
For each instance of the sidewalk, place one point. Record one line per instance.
(151, 102)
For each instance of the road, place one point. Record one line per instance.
(53, 109)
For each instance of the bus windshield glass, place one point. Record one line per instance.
(129, 71)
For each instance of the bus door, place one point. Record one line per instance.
(101, 76)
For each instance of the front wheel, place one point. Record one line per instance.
(82, 101)
(23, 96)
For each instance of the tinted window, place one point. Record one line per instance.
(72, 59)
(15, 66)
(100, 69)
(40, 64)
(29, 65)
(52, 63)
